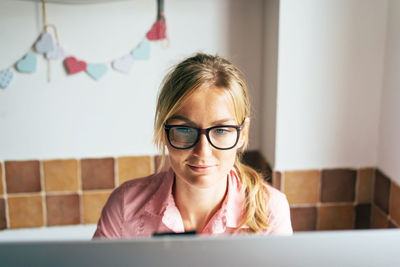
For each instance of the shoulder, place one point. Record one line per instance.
(279, 212)
(140, 188)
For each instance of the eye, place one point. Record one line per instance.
(221, 131)
(184, 130)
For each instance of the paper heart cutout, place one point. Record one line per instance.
(142, 51)
(123, 64)
(5, 78)
(157, 32)
(45, 44)
(27, 64)
(56, 53)
(96, 71)
(74, 66)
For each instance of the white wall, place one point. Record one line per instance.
(270, 70)
(78, 117)
(330, 69)
(389, 139)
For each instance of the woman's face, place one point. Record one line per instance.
(203, 165)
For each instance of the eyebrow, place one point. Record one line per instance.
(183, 118)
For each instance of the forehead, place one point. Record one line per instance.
(207, 105)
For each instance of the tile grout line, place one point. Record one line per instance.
(80, 190)
(5, 195)
(42, 191)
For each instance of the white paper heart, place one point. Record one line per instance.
(45, 44)
(56, 53)
(123, 64)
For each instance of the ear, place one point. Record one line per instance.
(244, 133)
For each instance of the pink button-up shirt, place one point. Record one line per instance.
(145, 206)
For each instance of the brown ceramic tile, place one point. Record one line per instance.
(1, 179)
(302, 186)
(60, 175)
(157, 162)
(22, 176)
(97, 173)
(382, 190)
(25, 211)
(338, 185)
(277, 180)
(303, 218)
(378, 218)
(93, 204)
(63, 209)
(364, 185)
(3, 220)
(395, 203)
(363, 216)
(337, 217)
(133, 167)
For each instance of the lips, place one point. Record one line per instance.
(201, 168)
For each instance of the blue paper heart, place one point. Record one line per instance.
(96, 71)
(27, 64)
(5, 78)
(142, 51)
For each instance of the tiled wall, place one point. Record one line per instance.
(342, 199)
(63, 192)
(70, 191)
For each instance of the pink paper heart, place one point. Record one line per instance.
(74, 66)
(123, 64)
(157, 32)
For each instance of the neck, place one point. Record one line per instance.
(198, 205)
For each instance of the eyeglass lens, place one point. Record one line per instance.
(220, 137)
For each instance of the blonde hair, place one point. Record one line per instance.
(199, 71)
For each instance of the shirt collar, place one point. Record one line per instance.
(162, 203)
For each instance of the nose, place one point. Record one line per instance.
(203, 148)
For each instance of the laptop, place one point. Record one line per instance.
(330, 248)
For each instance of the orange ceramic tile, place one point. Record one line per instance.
(336, 217)
(1, 179)
(25, 211)
(302, 186)
(133, 167)
(3, 220)
(61, 175)
(63, 209)
(97, 173)
(22, 176)
(157, 163)
(395, 203)
(93, 204)
(379, 219)
(365, 185)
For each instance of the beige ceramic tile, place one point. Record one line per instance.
(336, 217)
(394, 206)
(1, 179)
(93, 204)
(302, 187)
(379, 219)
(365, 185)
(25, 211)
(61, 175)
(133, 167)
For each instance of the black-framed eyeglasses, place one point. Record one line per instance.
(221, 137)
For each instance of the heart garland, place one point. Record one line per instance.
(51, 49)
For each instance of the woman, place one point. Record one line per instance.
(202, 117)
